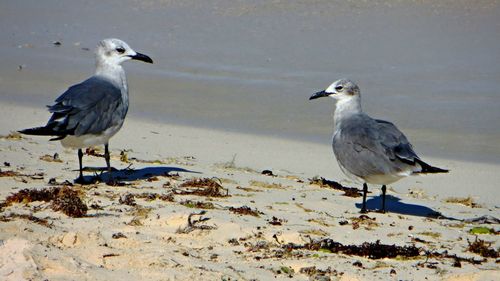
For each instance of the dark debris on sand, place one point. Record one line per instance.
(202, 187)
(348, 191)
(483, 249)
(9, 174)
(245, 210)
(196, 224)
(43, 222)
(127, 199)
(276, 221)
(197, 204)
(371, 250)
(68, 201)
(379, 251)
(62, 199)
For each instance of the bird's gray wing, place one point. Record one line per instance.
(367, 147)
(88, 108)
(395, 142)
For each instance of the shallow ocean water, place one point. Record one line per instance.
(431, 67)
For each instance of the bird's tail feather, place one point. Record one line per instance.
(428, 169)
(44, 131)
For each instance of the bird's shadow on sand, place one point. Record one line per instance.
(393, 204)
(129, 175)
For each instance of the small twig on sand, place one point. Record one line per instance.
(194, 224)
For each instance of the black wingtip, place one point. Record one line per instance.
(428, 169)
(39, 131)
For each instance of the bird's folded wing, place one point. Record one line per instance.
(395, 143)
(88, 108)
(368, 147)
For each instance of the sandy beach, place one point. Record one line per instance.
(149, 228)
(225, 168)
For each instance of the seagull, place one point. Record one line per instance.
(369, 150)
(91, 112)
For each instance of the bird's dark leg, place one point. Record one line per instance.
(384, 189)
(365, 190)
(80, 179)
(108, 164)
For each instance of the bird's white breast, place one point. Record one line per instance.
(84, 141)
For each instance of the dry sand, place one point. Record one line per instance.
(150, 238)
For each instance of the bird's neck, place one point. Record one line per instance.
(346, 108)
(114, 73)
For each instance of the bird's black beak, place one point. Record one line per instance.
(142, 57)
(319, 95)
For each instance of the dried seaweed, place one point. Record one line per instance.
(31, 218)
(366, 221)
(276, 221)
(371, 250)
(456, 259)
(63, 199)
(265, 184)
(167, 197)
(324, 183)
(378, 251)
(482, 248)
(51, 158)
(68, 201)
(26, 196)
(9, 174)
(245, 210)
(466, 201)
(313, 271)
(202, 187)
(118, 235)
(197, 204)
(127, 199)
(139, 214)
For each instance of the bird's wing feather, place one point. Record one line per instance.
(378, 147)
(88, 108)
(396, 143)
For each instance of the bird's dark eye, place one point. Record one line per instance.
(120, 50)
(339, 88)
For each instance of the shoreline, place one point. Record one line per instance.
(261, 152)
(429, 140)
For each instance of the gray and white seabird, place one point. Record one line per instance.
(369, 150)
(91, 112)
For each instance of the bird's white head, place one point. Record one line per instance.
(342, 89)
(114, 51)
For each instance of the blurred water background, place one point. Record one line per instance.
(431, 67)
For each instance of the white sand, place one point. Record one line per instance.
(83, 248)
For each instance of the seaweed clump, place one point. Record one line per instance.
(245, 210)
(26, 196)
(31, 218)
(68, 201)
(202, 187)
(483, 249)
(62, 199)
(9, 173)
(348, 191)
(198, 204)
(371, 250)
